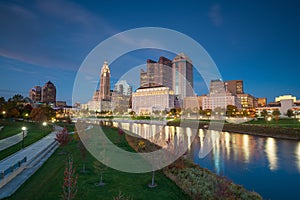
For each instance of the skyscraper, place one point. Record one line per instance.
(35, 93)
(182, 76)
(235, 87)
(122, 87)
(157, 74)
(104, 93)
(49, 93)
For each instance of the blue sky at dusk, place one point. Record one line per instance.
(256, 41)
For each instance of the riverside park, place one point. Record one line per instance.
(48, 160)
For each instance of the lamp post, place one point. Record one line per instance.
(26, 117)
(23, 131)
(3, 113)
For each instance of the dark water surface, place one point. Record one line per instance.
(266, 165)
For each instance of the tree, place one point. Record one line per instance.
(276, 113)
(2, 101)
(121, 197)
(99, 169)
(264, 113)
(70, 181)
(207, 112)
(37, 114)
(173, 111)
(14, 113)
(290, 113)
(82, 149)
(231, 110)
(17, 98)
(62, 137)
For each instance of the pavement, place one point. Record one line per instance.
(10, 141)
(36, 154)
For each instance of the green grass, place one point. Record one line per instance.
(35, 132)
(289, 123)
(69, 126)
(47, 182)
(10, 128)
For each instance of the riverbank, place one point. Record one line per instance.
(197, 182)
(50, 177)
(251, 129)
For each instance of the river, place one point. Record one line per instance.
(266, 165)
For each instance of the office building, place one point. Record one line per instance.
(158, 73)
(104, 92)
(218, 97)
(285, 97)
(49, 93)
(234, 87)
(155, 98)
(122, 87)
(261, 102)
(247, 101)
(182, 75)
(35, 94)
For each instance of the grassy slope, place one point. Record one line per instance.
(35, 132)
(46, 183)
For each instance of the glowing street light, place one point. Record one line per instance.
(44, 123)
(269, 118)
(23, 131)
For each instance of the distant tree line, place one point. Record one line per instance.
(20, 107)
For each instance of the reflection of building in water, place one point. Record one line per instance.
(297, 153)
(246, 148)
(271, 151)
(227, 144)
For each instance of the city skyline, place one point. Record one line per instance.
(259, 48)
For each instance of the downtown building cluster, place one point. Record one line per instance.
(167, 84)
(163, 86)
(45, 94)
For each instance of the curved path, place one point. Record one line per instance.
(35, 155)
(10, 141)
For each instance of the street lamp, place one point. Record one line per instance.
(23, 131)
(44, 123)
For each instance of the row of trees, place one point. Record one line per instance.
(20, 107)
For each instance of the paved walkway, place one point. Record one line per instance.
(10, 141)
(36, 154)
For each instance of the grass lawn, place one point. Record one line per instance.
(289, 123)
(10, 128)
(70, 126)
(47, 182)
(35, 132)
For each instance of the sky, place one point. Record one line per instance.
(254, 41)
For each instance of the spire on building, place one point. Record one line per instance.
(104, 93)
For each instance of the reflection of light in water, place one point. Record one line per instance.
(201, 134)
(125, 126)
(189, 134)
(227, 143)
(270, 150)
(216, 151)
(246, 148)
(298, 156)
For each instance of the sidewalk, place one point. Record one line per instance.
(10, 141)
(36, 154)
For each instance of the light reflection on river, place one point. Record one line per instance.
(266, 165)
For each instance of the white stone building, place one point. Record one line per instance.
(148, 99)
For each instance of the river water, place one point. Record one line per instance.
(266, 165)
